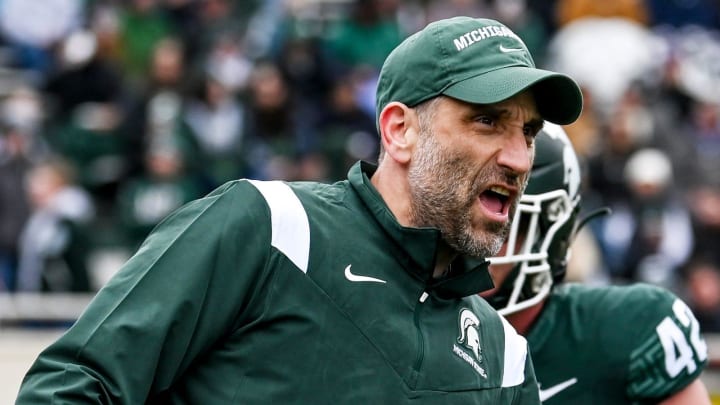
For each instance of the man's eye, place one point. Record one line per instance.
(486, 120)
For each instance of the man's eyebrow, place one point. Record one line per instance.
(491, 110)
(495, 111)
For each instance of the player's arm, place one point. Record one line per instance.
(669, 361)
(696, 393)
(182, 291)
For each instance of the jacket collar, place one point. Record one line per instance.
(419, 245)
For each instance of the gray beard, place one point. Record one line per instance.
(437, 179)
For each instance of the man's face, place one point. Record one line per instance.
(469, 169)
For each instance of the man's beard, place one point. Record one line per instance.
(444, 189)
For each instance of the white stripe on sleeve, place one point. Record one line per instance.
(290, 225)
(515, 354)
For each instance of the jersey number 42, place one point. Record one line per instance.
(682, 349)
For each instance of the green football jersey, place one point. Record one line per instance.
(615, 345)
(287, 293)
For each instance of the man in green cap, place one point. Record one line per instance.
(351, 293)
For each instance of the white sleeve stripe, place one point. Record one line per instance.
(515, 354)
(290, 225)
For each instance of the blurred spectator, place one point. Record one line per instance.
(155, 111)
(705, 201)
(669, 94)
(216, 22)
(84, 95)
(215, 120)
(266, 24)
(24, 109)
(277, 135)
(628, 129)
(703, 294)
(347, 132)
(54, 243)
(651, 237)
(690, 93)
(142, 26)
(81, 76)
(656, 124)
(693, 53)
(704, 137)
(105, 21)
(185, 16)
(14, 210)
(366, 36)
(227, 63)
(91, 142)
(21, 116)
(310, 73)
(148, 198)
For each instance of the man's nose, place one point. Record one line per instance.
(515, 154)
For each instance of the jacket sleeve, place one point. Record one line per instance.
(191, 283)
(520, 384)
(528, 392)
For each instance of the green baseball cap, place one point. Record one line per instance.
(475, 60)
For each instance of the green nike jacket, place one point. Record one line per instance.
(287, 293)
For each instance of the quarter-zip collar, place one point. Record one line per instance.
(419, 245)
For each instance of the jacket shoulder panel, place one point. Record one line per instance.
(290, 228)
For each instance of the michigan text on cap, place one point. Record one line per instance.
(475, 60)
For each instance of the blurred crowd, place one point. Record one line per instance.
(113, 113)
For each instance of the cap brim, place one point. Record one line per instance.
(558, 97)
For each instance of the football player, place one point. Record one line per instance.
(590, 345)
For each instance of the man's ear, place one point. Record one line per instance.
(398, 131)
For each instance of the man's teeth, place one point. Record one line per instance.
(500, 190)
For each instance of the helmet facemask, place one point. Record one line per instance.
(537, 246)
(543, 225)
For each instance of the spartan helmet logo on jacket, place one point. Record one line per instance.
(469, 335)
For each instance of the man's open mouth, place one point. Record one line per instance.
(496, 199)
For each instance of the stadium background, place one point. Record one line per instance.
(113, 113)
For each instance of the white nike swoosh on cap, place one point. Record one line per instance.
(555, 389)
(355, 278)
(506, 50)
